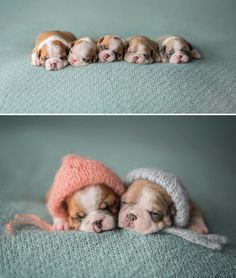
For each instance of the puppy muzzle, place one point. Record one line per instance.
(98, 221)
(55, 64)
(107, 56)
(179, 57)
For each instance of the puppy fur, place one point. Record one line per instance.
(92, 209)
(82, 52)
(176, 50)
(111, 48)
(51, 49)
(147, 208)
(142, 50)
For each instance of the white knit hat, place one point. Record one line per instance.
(174, 187)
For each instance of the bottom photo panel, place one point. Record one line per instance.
(117, 196)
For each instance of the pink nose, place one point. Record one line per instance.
(54, 65)
(180, 56)
(106, 56)
(74, 60)
(97, 226)
(135, 59)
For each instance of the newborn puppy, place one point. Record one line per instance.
(147, 208)
(82, 52)
(111, 48)
(176, 50)
(51, 49)
(142, 50)
(92, 209)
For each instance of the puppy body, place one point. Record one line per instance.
(148, 208)
(51, 49)
(111, 48)
(142, 50)
(92, 209)
(176, 50)
(82, 52)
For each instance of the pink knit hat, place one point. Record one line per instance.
(75, 173)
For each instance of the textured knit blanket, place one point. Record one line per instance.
(208, 85)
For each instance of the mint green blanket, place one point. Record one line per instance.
(200, 150)
(207, 86)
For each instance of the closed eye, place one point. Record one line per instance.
(170, 53)
(86, 60)
(156, 216)
(77, 217)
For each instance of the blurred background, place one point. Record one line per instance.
(200, 150)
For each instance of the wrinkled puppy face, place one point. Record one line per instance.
(178, 51)
(146, 208)
(53, 56)
(111, 48)
(82, 52)
(141, 51)
(93, 209)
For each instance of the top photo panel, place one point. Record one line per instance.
(117, 57)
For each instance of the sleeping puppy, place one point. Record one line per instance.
(176, 50)
(51, 49)
(92, 209)
(111, 48)
(147, 208)
(82, 52)
(142, 50)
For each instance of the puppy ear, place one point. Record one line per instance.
(163, 50)
(172, 210)
(100, 41)
(71, 44)
(195, 54)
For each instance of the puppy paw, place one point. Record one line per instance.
(60, 224)
(200, 228)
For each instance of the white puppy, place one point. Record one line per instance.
(82, 52)
(51, 49)
(176, 50)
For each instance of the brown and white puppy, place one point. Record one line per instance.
(176, 50)
(82, 52)
(51, 49)
(92, 209)
(147, 208)
(142, 50)
(111, 48)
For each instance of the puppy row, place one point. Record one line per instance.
(56, 49)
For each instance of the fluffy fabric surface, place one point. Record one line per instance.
(207, 86)
(75, 173)
(202, 152)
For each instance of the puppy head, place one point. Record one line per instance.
(146, 208)
(53, 56)
(141, 50)
(93, 209)
(111, 48)
(82, 52)
(177, 50)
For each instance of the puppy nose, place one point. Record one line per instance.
(98, 224)
(54, 65)
(74, 60)
(106, 56)
(180, 56)
(132, 217)
(135, 59)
